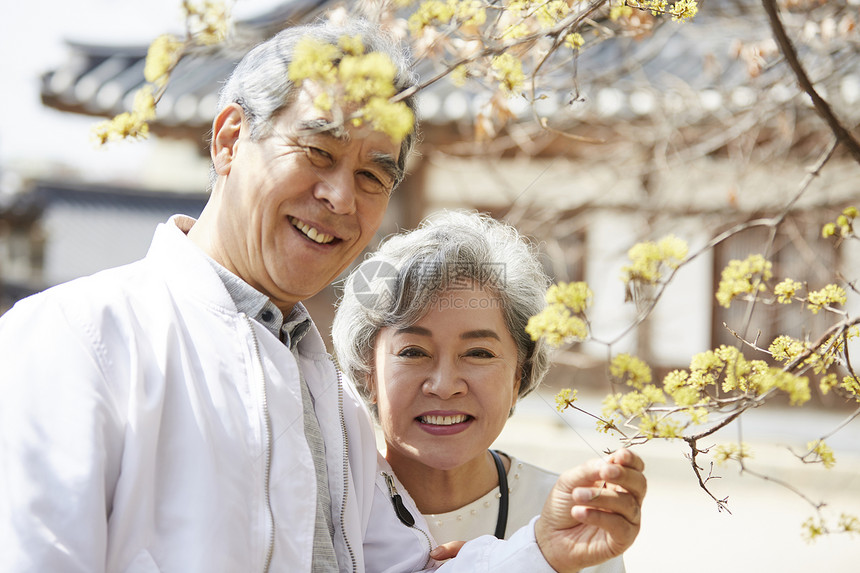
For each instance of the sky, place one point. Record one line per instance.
(33, 137)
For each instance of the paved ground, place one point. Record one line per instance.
(682, 530)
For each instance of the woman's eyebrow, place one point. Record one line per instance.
(486, 333)
(414, 330)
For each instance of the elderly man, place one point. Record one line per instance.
(181, 414)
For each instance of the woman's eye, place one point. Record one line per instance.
(480, 353)
(411, 352)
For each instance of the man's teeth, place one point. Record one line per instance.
(310, 232)
(443, 420)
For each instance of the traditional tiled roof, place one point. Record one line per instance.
(684, 71)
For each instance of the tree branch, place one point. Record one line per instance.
(821, 106)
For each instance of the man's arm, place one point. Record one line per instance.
(53, 455)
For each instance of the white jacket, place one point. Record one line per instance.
(146, 426)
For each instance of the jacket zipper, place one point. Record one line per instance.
(264, 398)
(345, 465)
(397, 500)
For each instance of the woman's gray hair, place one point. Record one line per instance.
(396, 285)
(260, 82)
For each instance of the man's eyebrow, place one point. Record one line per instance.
(388, 164)
(486, 333)
(323, 127)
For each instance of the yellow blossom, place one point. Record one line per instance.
(830, 294)
(785, 348)
(618, 11)
(827, 382)
(509, 72)
(366, 76)
(822, 452)
(813, 529)
(351, 45)
(786, 290)
(313, 60)
(394, 119)
(162, 56)
(576, 295)
(207, 21)
(574, 41)
(743, 277)
(647, 258)
(556, 325)
(848, 523)
(726, 452)
(684, 10)
(515, 31)
(551, 13)
(634, 371)
(565, 398)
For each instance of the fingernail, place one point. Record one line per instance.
(436, 552)
(582, 495)
(613, 472)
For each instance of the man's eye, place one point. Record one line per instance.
(372, 183)
(319, 157)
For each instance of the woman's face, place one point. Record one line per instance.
(445, 385)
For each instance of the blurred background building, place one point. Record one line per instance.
(689, 130)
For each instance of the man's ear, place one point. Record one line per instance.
(225, 136)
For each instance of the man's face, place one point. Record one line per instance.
(299, 205)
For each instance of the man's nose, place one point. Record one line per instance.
(336, 188)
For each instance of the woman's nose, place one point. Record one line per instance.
(445, 381)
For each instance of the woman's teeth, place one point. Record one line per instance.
(310, 232)
(443, 420)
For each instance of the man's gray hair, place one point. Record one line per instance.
(260, 82)
(398, 284)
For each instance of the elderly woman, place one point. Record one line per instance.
(431, 330)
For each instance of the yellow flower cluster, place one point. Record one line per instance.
(726, 452)
(785, 348)
(786, 290)
(814, 528)
(508, 71)
(574, 41)
(831, 294)
(630, 369)
(565, 398)
(436, 13)
(549, 14)
(161, 58)
(207, 21)
(844, 223)
(648, 259)
(576, 295)
(359, 80)
(822, 453)
(684, 10)
(556, 323)
(743, 277)
(128, 124)
(620, 10)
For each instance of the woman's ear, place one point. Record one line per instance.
(226, 129)
(370, 384)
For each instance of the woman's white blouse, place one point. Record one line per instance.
(528, 488)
